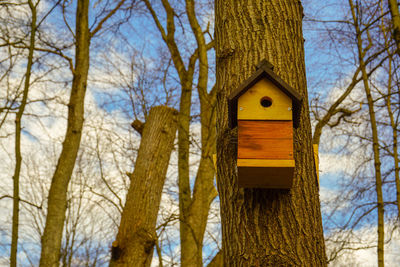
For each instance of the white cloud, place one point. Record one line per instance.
(366, 237)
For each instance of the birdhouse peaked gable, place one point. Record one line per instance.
(264, 71)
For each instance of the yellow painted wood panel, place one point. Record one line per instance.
(214, 156)
(316, 159)
(250, 108)
(264, 163)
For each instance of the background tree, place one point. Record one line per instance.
(392, 86)
(18, 118)
(52, 234)
(23, 38)
(194, 204)
(355, 11)
(394, 11)
(350, 215)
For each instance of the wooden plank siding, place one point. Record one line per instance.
(265, 140)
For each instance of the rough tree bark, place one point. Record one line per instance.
(136, 236)
(393, 120)
(57, 201)
(18, 156)
(393, 124)
(263, 227)
(394, 11)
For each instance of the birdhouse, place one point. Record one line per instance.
(265, 109)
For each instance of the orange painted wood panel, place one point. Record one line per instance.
(265, 129)
(265, 140)
(265, 148)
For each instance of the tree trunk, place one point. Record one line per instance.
(265, 227)
(378, 174)
(195, 217)
(393, 121)
(217, 261)
(377, 164)
(57, 201)
(136, 236)
(394, 11)
(393, 125)
(18, 157)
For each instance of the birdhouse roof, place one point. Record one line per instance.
(264, 70)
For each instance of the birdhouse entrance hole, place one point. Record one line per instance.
(266, 102)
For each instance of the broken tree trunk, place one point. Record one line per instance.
(137, 231)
